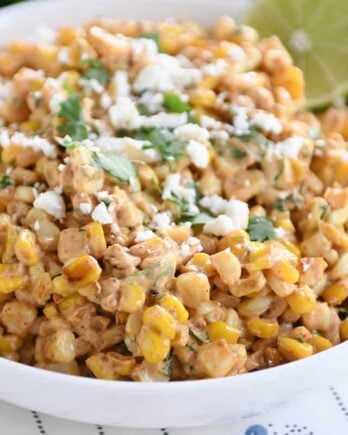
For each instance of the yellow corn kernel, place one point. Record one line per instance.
(175, 307)
(132, 297)
(263, 328)
(111, 365)
(236, 242)
(286, 224)
(100, 369)
(335, 294)
(10, 342)
(286, 272)
(50, 311)
(292, 80)
(320, 343)
(257, 250)
(96, 239)
(153, 346)
(30, 126)
(302, 300)
(293, 349)
(209, 82)
(70, 303)
(201, 262)
(292, 248)
(344, 329)
(26, 248)
(61, 286)
(60, 346)
(203, 98)
(161, 320)
(10, 153)
(11, 279)
(221, 329)
(82, 270)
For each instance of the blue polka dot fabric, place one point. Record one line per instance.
(324, 412)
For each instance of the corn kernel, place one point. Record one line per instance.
(236, 242)
(302, 300)
(263, 328)
(100, 369)
(292, 248)
(292, 80)
(320, 343)
(203, 98)
(292, 349)
(201, 262)
(209, 82)
(286, 272)
(60, 346)
(153, 346)
(82, 270)
(61, 286)
(11, 279)
(132, 297)
(335, 294)
(26, 249)
(344, 329)
(96, 239)
(10, 153)
(175, 307)
(10, 342)
(221, 329)
(50, 311)
(160, 320)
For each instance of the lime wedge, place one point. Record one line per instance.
(316, 34)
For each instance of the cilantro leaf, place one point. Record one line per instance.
(96, 70)
(72, 113)
(254, 135)
(116, 165)
(66, 142)
(5, 181)
(155, 37)
(260, 228)
(237, 153)
(201, 218)
(163, 141)
(174, 103)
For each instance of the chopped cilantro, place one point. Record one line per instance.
(201, 218)
(66, 142)
(163, 141)
(143, 110)
(201, 336)
(260, 228)
(255, 135)
(299, 340)
(154, 36)
(71, 112)
(96, 70)
(281, 168)
(5, 181)
(37, 100)
(116, 165)
(237, 153)
(324, 211)
(174, 103)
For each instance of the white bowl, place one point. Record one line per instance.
(127, 404)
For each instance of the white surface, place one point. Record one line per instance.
(153, 405)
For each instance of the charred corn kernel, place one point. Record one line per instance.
(292, 248)
(61, 286)
(335, 294)
(263, 328)
(221, 329)
(175, 307)
(293, 349)
(153, 346)
(100, 369)
(82, 270)
(132, 297)
(70, 303)
(26, 248)
(302, 300)
(344, 329)
(286, 272)
(60, 347)
(320, 343)
(11, 279)
(50, 311)
(161, 320)
(110, 365)
(203, 97)
(10, 153)
(10, 342)
(96, 239)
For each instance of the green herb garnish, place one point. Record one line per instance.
(5, 181)
(163, 141)
(254, 134)
(237, 153)
(116, 165)
(174, 103)
(97, 71)
(201, 218)
(71, 112)
(260, 228)
(281, 168)
(66, 142)
(324, 211)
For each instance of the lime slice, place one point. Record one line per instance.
(316, 34)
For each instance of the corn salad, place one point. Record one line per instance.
(167, 209)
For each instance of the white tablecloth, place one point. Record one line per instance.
(323, 413)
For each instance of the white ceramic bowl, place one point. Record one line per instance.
(127, 404)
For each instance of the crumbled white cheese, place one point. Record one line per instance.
(55, 103)
(236, 53)
(100, 214)
(169, 120)
(289, 147)
(124, 114)
(36, 226)
(219, 226)
(121, 84)
(216, 68)
(240, 119)
(267, 122)
(214, 203)
(152, 101)
(143, 235)
(9, 170)
(37, 143)
(173, 188)
(220, 135)
(236, 210)
(190, 246)
(143, 47)
(52, 203)
(115, 229)
(103, 195)
(91, 85)
(161, 221)
(85, 207)
(198, 153)
(64, 57)
(105, 101)
(61, 167)
(58, 189)
(187, 132)
(280, 232)
(210, 123)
